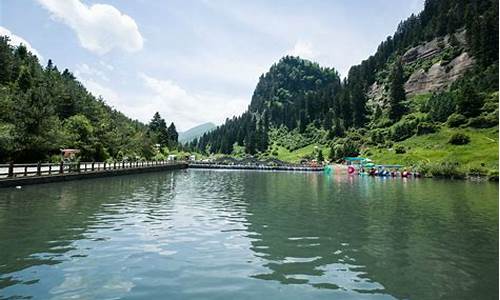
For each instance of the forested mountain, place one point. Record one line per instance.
(440, 68)
(195, 132)
(43, 110)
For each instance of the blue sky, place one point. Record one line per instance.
(194, 61)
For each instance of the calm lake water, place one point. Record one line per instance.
(194, 234)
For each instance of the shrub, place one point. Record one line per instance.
(346, 148)
(447, 169)
(484, 121)
(459, 139)
(440, 106)
(378, 136)
(403, 130)
(400, 149)
(425, 128)
(478, 171)
(455, 120)
(493, 176)
(423, 168)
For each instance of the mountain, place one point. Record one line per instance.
(195, 132)
(437, 75)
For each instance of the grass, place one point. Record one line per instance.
(482, 149)
(296, 155)
(430, 148)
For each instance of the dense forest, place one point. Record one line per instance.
(43, 110)
(299, 100)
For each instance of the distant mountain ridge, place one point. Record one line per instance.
(195, 132)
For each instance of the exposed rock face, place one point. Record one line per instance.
(376, 95)
(438, 77)
(432, 48)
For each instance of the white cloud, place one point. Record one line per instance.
(100, 27)
(184, 108)
(303, 49)
(16, 40)
(84, 71)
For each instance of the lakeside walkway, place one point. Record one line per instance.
(24, 174)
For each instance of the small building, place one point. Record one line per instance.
(172, 157)
(69, 154)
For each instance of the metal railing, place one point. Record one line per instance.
(12, 170)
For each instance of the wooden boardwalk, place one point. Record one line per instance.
(23, 174)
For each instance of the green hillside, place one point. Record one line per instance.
(434, 80)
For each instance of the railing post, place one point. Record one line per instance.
(104, 165)
(92, 167)
(11, 169)
(123, 164)
(61, 167)
(25, 171)
(39, 169)
(78, 166)
(114, 165)
(50, 168)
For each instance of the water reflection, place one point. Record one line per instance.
(225, 235)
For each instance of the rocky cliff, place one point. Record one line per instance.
(431, 66)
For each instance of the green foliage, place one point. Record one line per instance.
(484, 121)
(43, 110)
(440, 106)
(469, 102)
(426, 128)
(456, 120)
(400, 149)
(397, 92)
(459, 139)
(320, 156)
(378, 136)
(403, 130)
(344, 148)
(447, 169)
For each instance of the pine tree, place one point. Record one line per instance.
(469, 102)
(397, 92)
(173, 136)
(320, 156)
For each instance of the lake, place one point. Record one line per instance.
(201, 234)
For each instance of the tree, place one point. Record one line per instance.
(320, 157)
(6, 60)
(173, 136)
(80, 135)
(397, 92)
(159, 128)
(469, 102)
